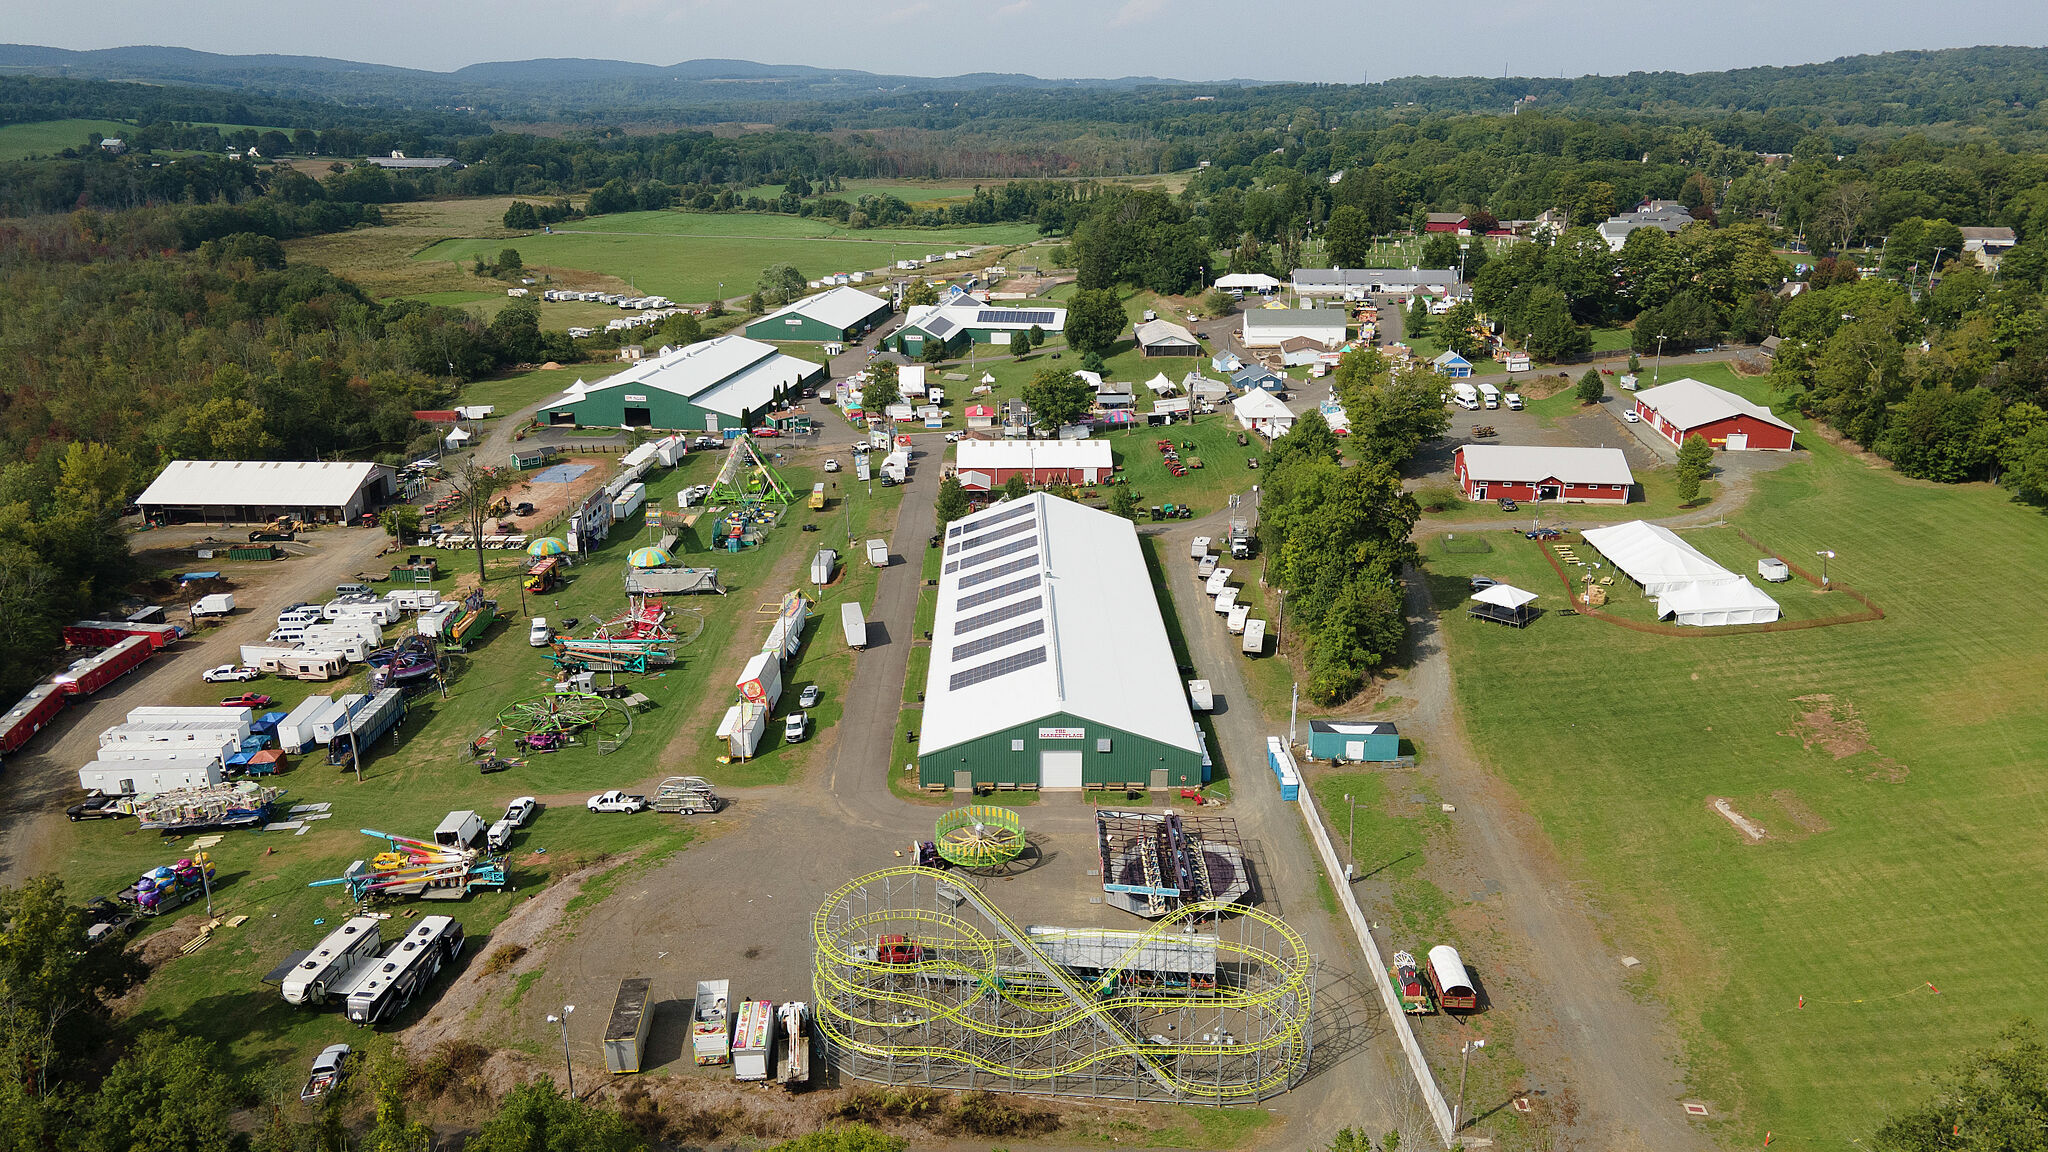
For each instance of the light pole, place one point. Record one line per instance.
(1658, 373)
(1825, 554)
(1464, 1059)
(570, 1068)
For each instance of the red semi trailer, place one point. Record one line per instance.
(29, 715)
(107, 633)
(96, 672)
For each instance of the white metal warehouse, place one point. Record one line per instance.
(259, 490)
(1050, 666)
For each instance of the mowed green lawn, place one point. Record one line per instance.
(47, 137)
(1905, 844)
(696, 256)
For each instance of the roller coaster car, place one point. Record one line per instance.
(897, 950)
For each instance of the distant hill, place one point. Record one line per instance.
(1977, 85)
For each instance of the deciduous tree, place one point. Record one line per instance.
(1095, 321)
(1057, 398)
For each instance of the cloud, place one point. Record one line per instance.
(1016, 9)
(1136, 12)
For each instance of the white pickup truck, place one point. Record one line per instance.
(616, 801)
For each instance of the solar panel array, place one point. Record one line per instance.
(1013, 316)
(939, 327)
(997, 544)
(993, 669)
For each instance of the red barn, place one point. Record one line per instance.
(1455, 223)
(1533, 472)
(985, 465)
(1683, 408)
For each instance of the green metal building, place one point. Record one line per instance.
(1050, 666)
(730, 382)
(969, 321)
(842, 314)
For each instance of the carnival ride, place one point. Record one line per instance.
(633, 641)
(746, 477)
(919, 978)
(1156, 863)
(979, 836)
(418, 868)
(554, 720)
(409, 661)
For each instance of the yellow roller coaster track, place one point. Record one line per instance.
(1068, 1004)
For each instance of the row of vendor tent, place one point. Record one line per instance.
(1689, 587)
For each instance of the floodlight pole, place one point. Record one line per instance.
(1658, 374)
(570, 1068)
(1464, 1060)
(1351, 840)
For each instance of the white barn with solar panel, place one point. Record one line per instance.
(969, 321)
(1050, 666)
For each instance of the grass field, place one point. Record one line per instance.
(47, 137)
(1894, 765)
(689, 255)
(408, 785)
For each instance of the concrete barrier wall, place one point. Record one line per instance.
(1432, 1095)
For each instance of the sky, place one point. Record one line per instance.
(1183, 39)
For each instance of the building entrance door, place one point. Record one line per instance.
(1059, 771)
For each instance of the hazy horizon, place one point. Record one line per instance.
(1198, 40)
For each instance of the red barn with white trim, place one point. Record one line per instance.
(984, 465)
(1535, 472)
(1686, 407)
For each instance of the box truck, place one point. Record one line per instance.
(753, 1037)
(878, 553)
(217, 604)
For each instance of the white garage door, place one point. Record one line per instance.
(1059, 770)
(1738, 442)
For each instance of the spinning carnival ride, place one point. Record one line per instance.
(553, 719)
(919, 978)
(416, 867)
(979, 836)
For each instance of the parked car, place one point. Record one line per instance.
(329, 1068)
(355, 590)
(1482, 583)
(539, 634)
(616, 801)
(1507, 504)
(521, 810)
(1630, 416)
(831, 465)
(96, 806)
(522, 509)
(1544, 534)
(793, 727)
(952, 437)
(888, 481)
(247, 700)
(228, 672)
(767, 433)
(810, 696)
(702, 443)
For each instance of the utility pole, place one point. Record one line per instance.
(1658, 373)
(1351, 840)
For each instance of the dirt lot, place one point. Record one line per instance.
(42, 780)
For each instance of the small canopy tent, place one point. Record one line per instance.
(1503, 604)
(1161, 386)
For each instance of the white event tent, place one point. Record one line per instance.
(1687, 585)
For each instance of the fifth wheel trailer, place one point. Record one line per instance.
(336, 957)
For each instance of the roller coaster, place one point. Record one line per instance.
(919, 979)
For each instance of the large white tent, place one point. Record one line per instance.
(1686, 584)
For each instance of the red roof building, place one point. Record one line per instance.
(1456, 223)
(1687, 407)
(1534, 472)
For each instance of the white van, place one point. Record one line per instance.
(1465, 396)
(500, 836)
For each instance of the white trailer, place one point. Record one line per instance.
(822, 565)
(336, 718)
(761, 679)
(1199, 549)
(1225, 601)
(629, 501)
(710, 1024)
(413, 599)
(753, 1037)
(264, 657)
(382, 611)
(1218, 581)
(339, 954)
(295, 731)
(1235, 622)
(742, 729)
(896, 466)
(878, 553)
(349, 646)
(176, 733)
(855, 625)
(1201, 697)
(135, 753)
(432, 620)
(1206, 568)
(406, 968)
(148, 777)
(1255, 637)
(154, 713)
